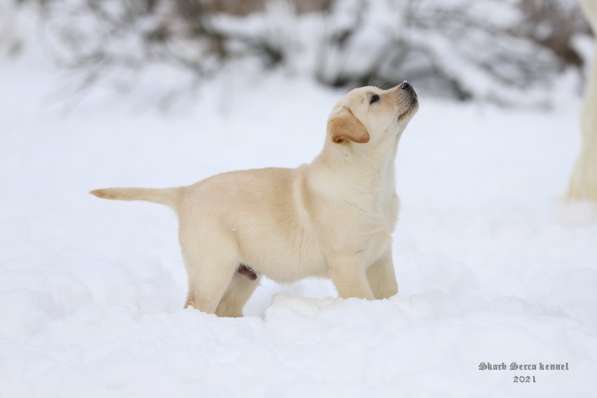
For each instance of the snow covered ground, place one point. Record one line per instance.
(492, 265)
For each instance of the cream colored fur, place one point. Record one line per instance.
(583, 184)
(333, 217)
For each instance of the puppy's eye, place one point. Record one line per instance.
(374, 99)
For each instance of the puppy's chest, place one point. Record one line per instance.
(373, 228)
(361, 225)
(376, 213)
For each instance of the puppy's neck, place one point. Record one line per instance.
(367, 167)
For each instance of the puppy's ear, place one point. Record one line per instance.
(343, 126)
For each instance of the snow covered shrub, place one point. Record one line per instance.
(480, 49)
(172, 44)
(10, 39)
(505, 51)
(554, 24)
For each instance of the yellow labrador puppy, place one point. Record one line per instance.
(333, 217)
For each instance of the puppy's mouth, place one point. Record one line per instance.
(412, 108)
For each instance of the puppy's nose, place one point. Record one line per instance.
(406, 86)
(409, 90)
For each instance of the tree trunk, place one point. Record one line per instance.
(583, 184)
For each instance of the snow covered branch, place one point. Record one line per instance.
(494, 50)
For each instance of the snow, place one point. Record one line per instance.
(493, 265)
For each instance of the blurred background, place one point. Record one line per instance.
(501, 51)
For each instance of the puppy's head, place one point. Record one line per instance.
(370, 114)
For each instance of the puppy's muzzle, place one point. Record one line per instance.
(409, 99)
(406, 86)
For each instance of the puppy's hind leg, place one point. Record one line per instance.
(210, 271)
(189, 301)
(239, 292)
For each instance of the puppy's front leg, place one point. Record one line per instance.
(382, 278)
(348, 274)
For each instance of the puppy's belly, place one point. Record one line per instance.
(285, 271)
(285, 261)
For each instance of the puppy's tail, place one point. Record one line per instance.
(166, 196)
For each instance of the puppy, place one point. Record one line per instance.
(333, 217)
